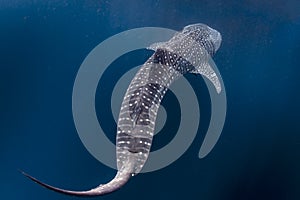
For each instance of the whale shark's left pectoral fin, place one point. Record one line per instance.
(157, 45)
(207, 70)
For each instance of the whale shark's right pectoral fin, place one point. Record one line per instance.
(207, 71)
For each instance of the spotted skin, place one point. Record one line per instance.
(186, 52)
(173, 60)
(141, 101)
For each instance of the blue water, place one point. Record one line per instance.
(43, 43)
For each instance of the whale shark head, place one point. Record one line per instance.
(208, 37)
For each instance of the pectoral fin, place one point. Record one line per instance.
(207, 71)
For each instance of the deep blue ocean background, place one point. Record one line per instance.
(43, 43)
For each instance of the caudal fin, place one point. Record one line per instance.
(115, 184)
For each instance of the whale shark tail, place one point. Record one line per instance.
(120, 179)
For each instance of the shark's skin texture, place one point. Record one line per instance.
(187, 51)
